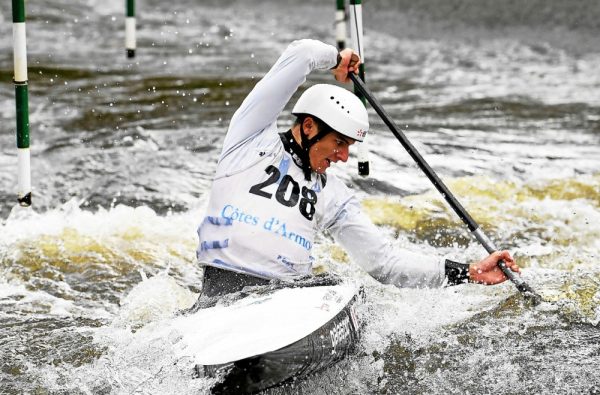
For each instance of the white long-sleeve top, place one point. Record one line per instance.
(263, 215)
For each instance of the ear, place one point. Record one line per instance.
(310, 127)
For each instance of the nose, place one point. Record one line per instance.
(343, 153)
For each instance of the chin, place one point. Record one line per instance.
(320, 169)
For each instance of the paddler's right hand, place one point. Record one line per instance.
(348, 62)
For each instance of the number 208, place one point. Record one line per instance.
(308, 201)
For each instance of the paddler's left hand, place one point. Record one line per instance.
(487, 271)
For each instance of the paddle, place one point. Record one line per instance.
(521, 285)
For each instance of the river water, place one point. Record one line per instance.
(501, 97)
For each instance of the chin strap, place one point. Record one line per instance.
(306, 145)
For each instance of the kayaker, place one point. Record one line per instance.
(271, 194)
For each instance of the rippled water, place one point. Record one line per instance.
(502, 98)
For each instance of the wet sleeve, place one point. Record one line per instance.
(263, 105)
(369, 248)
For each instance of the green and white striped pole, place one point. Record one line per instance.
(22, 103)
(356, 32)
(340, 24)
(130, 28)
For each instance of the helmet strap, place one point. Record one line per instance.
(306, 146)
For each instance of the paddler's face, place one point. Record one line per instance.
(329, 149)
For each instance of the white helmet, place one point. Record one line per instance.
(339, 108)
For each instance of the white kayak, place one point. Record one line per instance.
(265, 339)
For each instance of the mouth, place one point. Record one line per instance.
(324, 166)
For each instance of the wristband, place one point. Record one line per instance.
(456, 272)
(339, 59)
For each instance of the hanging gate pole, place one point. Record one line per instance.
(356, 32)
(130, 41)
(22, 103)
(340, 24)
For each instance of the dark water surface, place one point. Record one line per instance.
(501, 97)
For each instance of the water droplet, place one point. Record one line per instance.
(112, 18)
(190, 50)
(252, 55)
(227, 103)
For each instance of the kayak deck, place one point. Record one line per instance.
(333, 339)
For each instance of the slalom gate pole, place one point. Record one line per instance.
(340, 24)
(22, 103)
(130, 41)
(356, 32)
(521, 285)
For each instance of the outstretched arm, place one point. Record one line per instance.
(370, 249)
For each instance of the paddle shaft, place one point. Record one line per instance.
(441, 187)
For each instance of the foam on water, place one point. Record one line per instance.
(554, 224)
(109, 246)
(153, 299)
